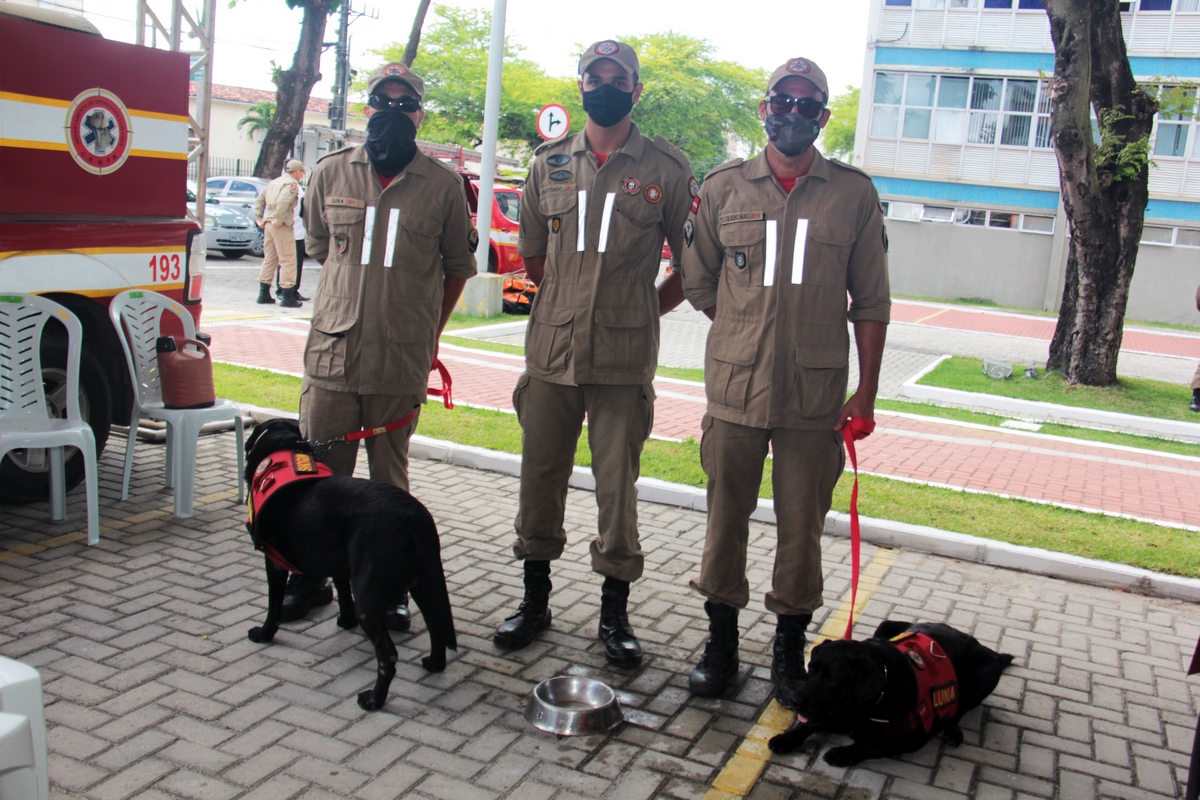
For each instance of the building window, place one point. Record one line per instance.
(974, 217)
(1155, 5)
(997, 3)
(1188, 237)
(1032, 4)
(897, 2)
(1152, 234)
(1032, 222)
(952, 109)
(1175, 122)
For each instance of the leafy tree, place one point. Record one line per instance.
(1104, 187)
(258, 118)
(294, 86)
(837, 140)
(695, 101)
(453, 61)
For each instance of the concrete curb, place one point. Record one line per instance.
(1045, 411)
(882, 532)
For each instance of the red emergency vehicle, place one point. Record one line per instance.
(93, 162)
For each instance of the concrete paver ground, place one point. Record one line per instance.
(154, 691)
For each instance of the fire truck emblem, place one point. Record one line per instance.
(98, 131)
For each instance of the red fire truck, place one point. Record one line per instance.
(93, 162)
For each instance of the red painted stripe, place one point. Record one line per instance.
(50, 182)
(18, 236)
(144, 78)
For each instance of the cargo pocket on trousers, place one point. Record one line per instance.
(819, 388)
(621, 339)
(730, 365)
(409, 351)
(548, 339)
(325, 353)
(648, 398)
(518, 397)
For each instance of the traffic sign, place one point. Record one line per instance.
(553, 122)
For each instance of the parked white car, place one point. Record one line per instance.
(240, 192)
(228, 230)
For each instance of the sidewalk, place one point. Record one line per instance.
(1158, 487)
(153, 690)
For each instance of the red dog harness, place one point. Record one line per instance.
(937, 682)
(273, 473)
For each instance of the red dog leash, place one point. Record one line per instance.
(855, 428)
(354, 436)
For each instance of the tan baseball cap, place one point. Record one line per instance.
(800, 68)
(619, 52)
(396, 72)
(294, 165)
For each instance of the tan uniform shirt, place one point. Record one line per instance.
(778, 267)
(276, 202)
(386, 253)
(601, 230)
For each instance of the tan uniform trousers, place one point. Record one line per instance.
(806, 466)
(327, 414)
(1195, 384)
(619, 422)
(279, 250)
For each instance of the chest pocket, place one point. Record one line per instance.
(418, 237)
(345, 234)
(828, 254)
(562, 220)
(744, 244)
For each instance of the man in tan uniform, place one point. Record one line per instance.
(772, 247)
(390, 226)
(1195, 384)
(595, 210)
(273, 211)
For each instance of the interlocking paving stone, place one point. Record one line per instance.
(153, 690)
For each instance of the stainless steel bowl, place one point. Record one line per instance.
(571, 706)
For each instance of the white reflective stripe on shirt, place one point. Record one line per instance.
(581, 210)
(608, 207)
(798, 251)
(769, 266)
(368, 234)
(393, 227)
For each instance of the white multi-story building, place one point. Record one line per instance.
(954, 126)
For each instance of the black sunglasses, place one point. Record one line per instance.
(381, 102)
(807, 106)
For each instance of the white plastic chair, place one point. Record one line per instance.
(25, 422)
(137, 315)
(23, 767)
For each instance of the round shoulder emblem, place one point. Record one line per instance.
(631, 185)
(98, 131)
(693, 187)
(395, 69)
(607, 48)
(799, 66)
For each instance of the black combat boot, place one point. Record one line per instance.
(264, 294)
(1195, 406)
(398, 619)
(303, 594)
(533, 615)
(289, 299)
(621, 647)
(787, 662)
(719, 664)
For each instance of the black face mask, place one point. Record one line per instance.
(791, 134)
(391, 141)
(607, 105)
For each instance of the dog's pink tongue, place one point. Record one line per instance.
(803, 720)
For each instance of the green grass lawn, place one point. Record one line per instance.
(1016, 521)
(1143, 398)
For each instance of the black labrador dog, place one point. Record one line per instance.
(893, 692)
(376, 541)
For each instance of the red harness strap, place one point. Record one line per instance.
(272, 474)
(937, 682)
(856, 428)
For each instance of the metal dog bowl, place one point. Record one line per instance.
(572, 706)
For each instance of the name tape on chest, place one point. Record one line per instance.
(345, 202)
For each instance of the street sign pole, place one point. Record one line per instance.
(491, 128)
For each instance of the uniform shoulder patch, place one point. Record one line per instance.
(673, 151)
(547, 146)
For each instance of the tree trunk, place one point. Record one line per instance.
(1105, 201)
(294, 88)
(414, 38)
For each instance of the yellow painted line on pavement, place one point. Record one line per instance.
(29, 548)
(931, 316)
(742, 771)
